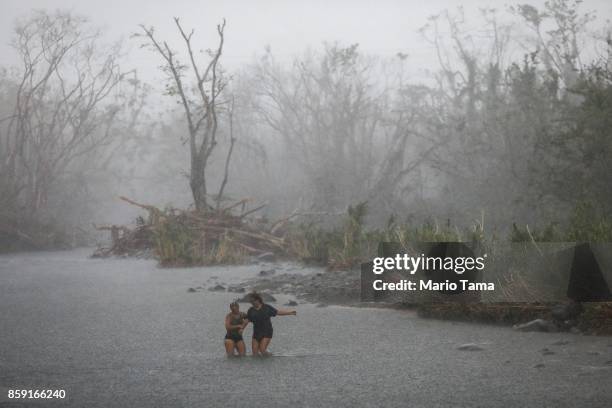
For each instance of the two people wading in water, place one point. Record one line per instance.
(260, 315)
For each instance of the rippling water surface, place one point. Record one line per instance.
(127, 333)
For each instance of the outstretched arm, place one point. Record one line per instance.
(286, 312)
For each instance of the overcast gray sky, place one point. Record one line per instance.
(383, 27)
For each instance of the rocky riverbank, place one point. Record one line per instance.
(321, 287)
(324, 288)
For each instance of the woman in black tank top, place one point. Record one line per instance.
(260, 315)
(234, 324)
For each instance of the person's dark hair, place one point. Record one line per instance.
(234, 303)
(256, 296)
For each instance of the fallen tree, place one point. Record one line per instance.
(191, 237)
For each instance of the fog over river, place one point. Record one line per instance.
(125, 332)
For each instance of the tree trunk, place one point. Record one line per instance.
(198, 185)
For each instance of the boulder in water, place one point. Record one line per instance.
(217, 288)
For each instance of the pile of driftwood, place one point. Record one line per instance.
(190, 237)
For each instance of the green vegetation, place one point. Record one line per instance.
(352, 242)
(586, 223)
(187, 238)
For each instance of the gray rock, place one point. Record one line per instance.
(268, 272)
(547, 352)
(267, 298)
(568, 324)
(236, 289)
(217, 288)
(244, 299)
(470, 347)
(561, 343)
(567, 311)
(539, 365)
(191, 290)
(537, 325)
(291, 303)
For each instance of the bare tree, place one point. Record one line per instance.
(558, 33)
(228, 157)
(345, 122)
(200, 100)
(64, 106)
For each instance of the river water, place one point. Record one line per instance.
(123, 332)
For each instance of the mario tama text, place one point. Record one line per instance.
(424, 285)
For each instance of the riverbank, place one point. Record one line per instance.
(126, 333)
(343, 287)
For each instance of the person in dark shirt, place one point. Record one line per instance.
(234, 325)
(259, 314)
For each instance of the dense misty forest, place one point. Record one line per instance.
(512, 126)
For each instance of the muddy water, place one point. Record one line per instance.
(126, 333)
